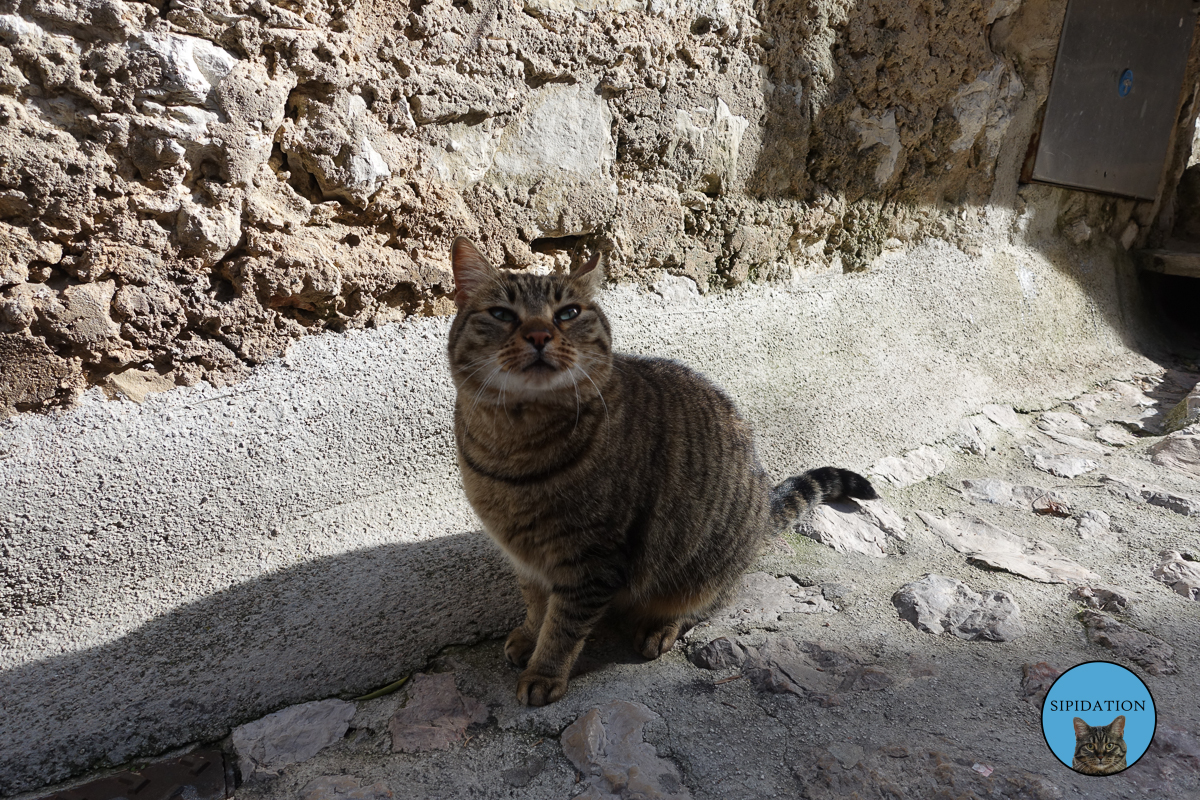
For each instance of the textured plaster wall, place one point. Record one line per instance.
(174, 568)
(816, 204)
(189, 186)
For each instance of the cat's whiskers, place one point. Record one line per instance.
(485, 359)
(479, 392)
(503, 403)
(599, 393)
(575, 383)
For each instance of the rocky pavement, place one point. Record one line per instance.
(894, 649)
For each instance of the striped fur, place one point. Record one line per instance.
(613, 482)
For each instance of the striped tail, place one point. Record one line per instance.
(793, 498)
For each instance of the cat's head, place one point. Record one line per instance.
(1100, 747)
(522, 338)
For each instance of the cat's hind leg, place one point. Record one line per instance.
(657, 636)
(521, 642)
(662, 621)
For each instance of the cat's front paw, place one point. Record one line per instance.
(518, 647)
(539, 690)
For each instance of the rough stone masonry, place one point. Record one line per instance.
(188, 186)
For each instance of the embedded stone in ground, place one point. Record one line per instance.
(989, 490)
(848, 755)
(1064, 466)
(1075, 443)
(781, 667)
(606, 745)
(720, 653)
(1152, 653)
(523, 775)
(806, 669)
(1051, 504)
(836, 591)
(1062, 422)
(1115, 435)
(1147, 423)
(198, 775)
(913, 467)
(937, 604)
(854, 526)
(971, 534)
(290, 736)
(1002, 493)
(1036, 680)
(1104, 598)
(1083, 405)
(987, 544)
(1093, 524)
(1181, 575)
(436, 715)
(1045, 567)
(343, 787)
(1003, 416)
(1180, 451)
(973, 435)
(763, 598)
(1154, 495)
(1173, 753)
(893, 771)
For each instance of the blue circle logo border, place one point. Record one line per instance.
(1135, 676)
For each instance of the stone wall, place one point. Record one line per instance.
(188, 186)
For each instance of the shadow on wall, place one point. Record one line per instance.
(916, 116)
(235, 656)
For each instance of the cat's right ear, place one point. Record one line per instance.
(471, 270)
(1081, 728)
(589, 277)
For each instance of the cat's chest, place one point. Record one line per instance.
(531, 523)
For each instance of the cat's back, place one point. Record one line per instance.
(684, 434)
(666, 392)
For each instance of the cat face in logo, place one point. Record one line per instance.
(521, 337)
(1100, 749)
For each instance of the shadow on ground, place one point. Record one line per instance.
(348, 619)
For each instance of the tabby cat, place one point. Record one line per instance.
(1099, 750)
(611, 481)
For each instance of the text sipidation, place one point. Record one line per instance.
(1097, 705)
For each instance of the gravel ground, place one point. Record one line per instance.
(886, 711)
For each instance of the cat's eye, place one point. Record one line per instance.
(567, 313)
(503, 314)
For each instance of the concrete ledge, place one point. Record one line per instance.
(175, 568)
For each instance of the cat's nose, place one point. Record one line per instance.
(538, 338)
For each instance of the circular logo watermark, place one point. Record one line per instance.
(1098, 718)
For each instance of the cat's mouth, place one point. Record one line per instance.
(540, 365)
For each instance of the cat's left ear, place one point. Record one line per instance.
(1117, 726)
(589, 276)
(471, 270)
